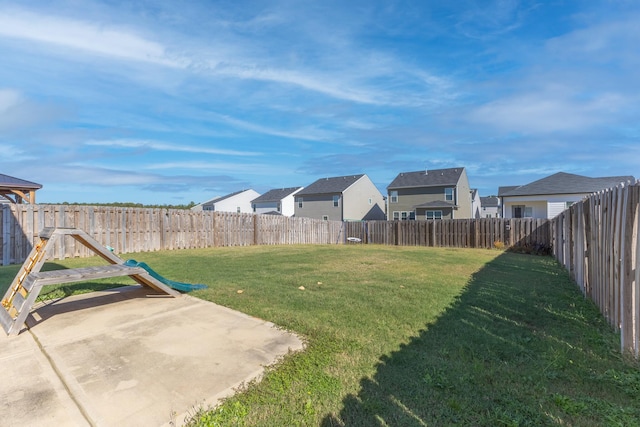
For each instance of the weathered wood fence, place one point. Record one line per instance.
(597, 242)
(460, 233)
(130, 230)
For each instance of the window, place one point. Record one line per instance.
(370, 201)
(517, 211)
(412, 215)
(568, 204)
(279, 207)
(336, 200)
(396, 215)
(528, 212)
(300, 202)
(325, 217)
(433, 214)
(404, 216)
(254, 207)
(448, 194)
(238, 209)
(394, 196)
(520, 211)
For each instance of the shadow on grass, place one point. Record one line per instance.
(520, 346)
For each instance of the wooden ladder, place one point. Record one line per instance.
(26, 286)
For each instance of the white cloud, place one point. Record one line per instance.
(83, 35)
(308, 134)
(164, 146)
(236, 168)
(8, 99)
(549, 111)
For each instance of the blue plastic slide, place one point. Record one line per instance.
(182, 287)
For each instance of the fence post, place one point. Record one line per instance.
(6, 234)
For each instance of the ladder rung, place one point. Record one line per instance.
(5, 320)
(18, 301)
(47, 232)
(28, 282)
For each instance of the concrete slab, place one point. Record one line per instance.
(127, 357)
(31, 393)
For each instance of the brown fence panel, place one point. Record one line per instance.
(597, 242)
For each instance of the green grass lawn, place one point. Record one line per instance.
(410, 337)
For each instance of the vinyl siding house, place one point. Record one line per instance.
(547, 197)
(280, 201)
(490, 207)
(342, 198)
(430, 194)
(239, 202)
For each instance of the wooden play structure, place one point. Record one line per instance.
(26, 286)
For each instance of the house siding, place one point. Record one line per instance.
(318, 206)
(356, 201)
(230, 204)
(262, 208)
(464, 197)
(288, 204)
(543, 206)
(408, 198)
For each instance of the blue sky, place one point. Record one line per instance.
(171, 102)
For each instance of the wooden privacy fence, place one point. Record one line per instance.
(460, 233)
(129, 230)
(597, 242)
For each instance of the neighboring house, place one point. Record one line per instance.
(16, 190)
(240, 202)
(547, 197)
(476, 203)
(430, 194)
(342, 198)
(490, 207)
(278, 201)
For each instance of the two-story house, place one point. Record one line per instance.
(279, 201)
(547, 197)
(341, 198)
(490, 207)
(239, 201)
(430, 194)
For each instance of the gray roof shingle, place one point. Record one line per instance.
(330, 185)
(427, 178)
(275, 195)
(436, 204)
(490, 202)
(12, 182)
(564, 183)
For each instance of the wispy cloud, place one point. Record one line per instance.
(87, 36)
(309, 134)
(550, 111)
(165, 146)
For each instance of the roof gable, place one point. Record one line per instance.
(427, 178)
(565, 183)
(225, 197)
(333, 185)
